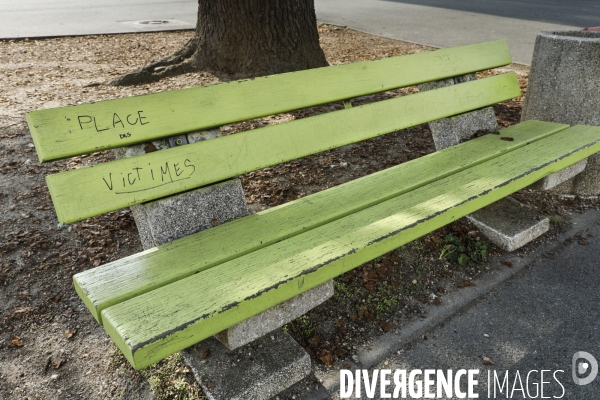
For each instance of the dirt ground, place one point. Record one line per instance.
(50, 346)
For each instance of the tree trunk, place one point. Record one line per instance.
(243, 38)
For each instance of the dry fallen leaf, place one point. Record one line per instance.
(56, 298)
(465, 283)
(583, 242)
(16, 342)
(370, 286)
(386, 326)
(326, 359)
(69, 333)
(210, 384)
(487, 361)
(22, 311)
(361, 312)
(149, 147)
(58, 364)
(206, 353)
(507, 263)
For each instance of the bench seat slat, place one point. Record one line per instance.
(90, 191)
(70, 131)
(149, 327)
(123, 279)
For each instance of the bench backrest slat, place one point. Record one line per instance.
(86, 192)
(70, 131)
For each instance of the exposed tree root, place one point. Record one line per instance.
(178, 63)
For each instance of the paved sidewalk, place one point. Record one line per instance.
(537, 319)
(438, 23)
(444, 23)
(41, 18)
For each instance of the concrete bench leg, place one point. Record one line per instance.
(509, 224)
(275, 317)
(253, 358)
(506, 223)
(258, 360)
(258, 370)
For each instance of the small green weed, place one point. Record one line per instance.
(555, 219)
(302, 326)
(471, 253)
(170, 379)
(342, 290)
(382, 301)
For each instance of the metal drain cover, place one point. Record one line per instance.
(159, 24)
(154, 22)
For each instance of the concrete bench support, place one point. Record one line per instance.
(506, 223)
(258, 370)
(275, 364)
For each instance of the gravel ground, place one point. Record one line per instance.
(50, 347)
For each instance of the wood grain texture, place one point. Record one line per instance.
(70, 131)
(90, 191)
(123, 279)
(151, 326)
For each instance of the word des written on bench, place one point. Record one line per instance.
(104, 123)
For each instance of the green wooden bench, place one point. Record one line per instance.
(163, 300)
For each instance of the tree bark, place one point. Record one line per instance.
(237, 39)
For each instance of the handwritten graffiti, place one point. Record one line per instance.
(139, 179)
(123, 121)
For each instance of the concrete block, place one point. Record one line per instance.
(275, 317)
(506, 223)
(447, 132)
(164, 220)
(587, 183)
(309, 388)
(509, 224)
(564, 87)
(554, 180)
(203, 135)
(258, 370)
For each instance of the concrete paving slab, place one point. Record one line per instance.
(258, 370)
(438, 23)
(47, 18)
(509, 224)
